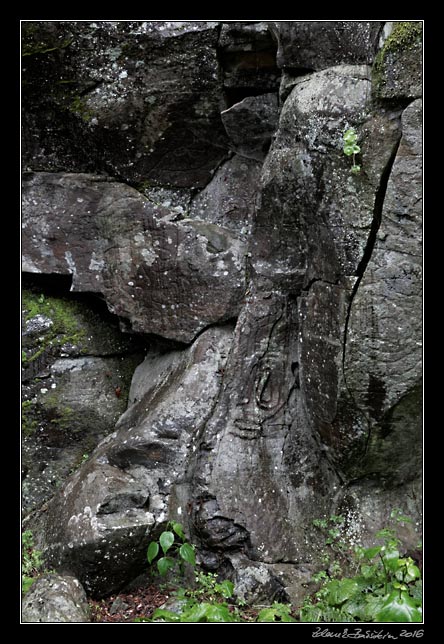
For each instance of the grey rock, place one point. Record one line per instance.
(76, 378)
(118, 605)
(55, 599)
(99, 525)
(66, 415)
(312, 407)
(251, 124)
(383, 353)
(255, 582)
(285, 422)
(138, 100)
(229, 199)
(397, 72)
(158, 273)
(247, 55)
(262, 583)
(316, 45)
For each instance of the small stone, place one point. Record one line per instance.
(118, 606)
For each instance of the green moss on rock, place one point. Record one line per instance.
(404, 34)
(29, 421)
(397, 70)
(65, 327)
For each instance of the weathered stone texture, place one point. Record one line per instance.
(246, 212)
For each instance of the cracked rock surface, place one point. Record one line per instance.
(214, 209)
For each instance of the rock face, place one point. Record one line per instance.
(158, 273)
(140, 99)
(55, 599)
(250, 125)
(317, 45)
(110, 505)
(383, 351)
(398, 67)
(309, 405)
(76, 374)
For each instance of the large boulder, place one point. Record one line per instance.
(56, 599)
(99, 525)
(167, 277)
(138, 100)
(315, 45)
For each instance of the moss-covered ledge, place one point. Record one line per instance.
(397, 70)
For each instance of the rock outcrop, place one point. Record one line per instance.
(56, 599)
(214, 207)
(76, 375)
(125, 489)
(158, 273)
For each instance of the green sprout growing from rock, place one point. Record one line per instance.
(351, 148)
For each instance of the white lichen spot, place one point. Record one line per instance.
(70, 262)
(96, 264)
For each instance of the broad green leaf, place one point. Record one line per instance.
(369, 553)
(355, 607)
(356, 169)
(226, 588)
(178, 529)
(166, 540)
(348, 150)
(373, 604)
(164, 564)
(218, 613)
(187, 553)
(152, 552)
(391, 559)
(341, 589)
(368, 572)
(166, 615)
(398, 608)
(197, 613)
(356, 149)
(275, 615)
(412, 573)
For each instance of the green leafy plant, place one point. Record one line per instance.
(207, 601)
(386, 588)
(173, 547)
(351, 148)
(32, 562)
(276, 613)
